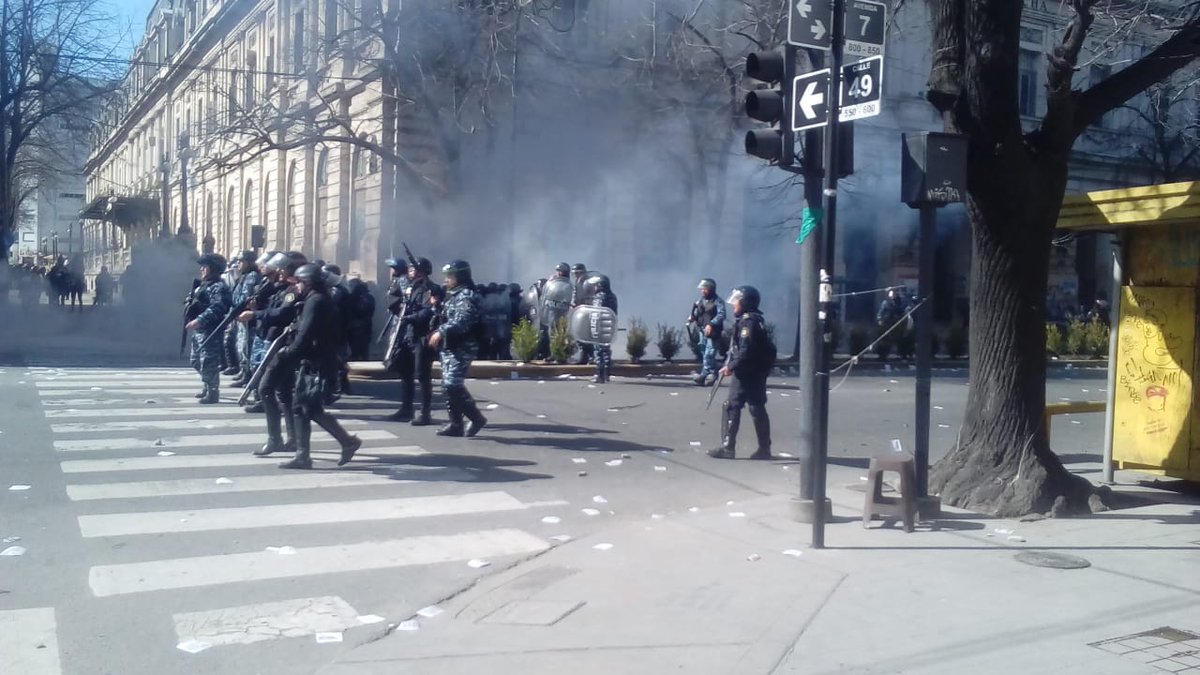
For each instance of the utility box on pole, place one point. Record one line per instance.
(933, 168)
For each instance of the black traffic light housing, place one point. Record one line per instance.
(777, 143)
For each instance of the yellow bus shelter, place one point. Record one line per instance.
(1152, 404)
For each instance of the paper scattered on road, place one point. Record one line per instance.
(13, 550)
(325, 638)
(430, 611)
(612, 410)
(754, 557)
(561, 538)
(793, 552)
(579, 460)
(19, 488)
(784, 454)
(282, 550)
(674, 393)
(786, 395)
(694, 444)
(893, 381)
(9, 540)
(590, 512)
(551, 520)
(491, 406)
(591, 386)
(224, 481)
(602, 547)
(657, 516)
(366, 619)
(613, 462)
(660, 468)
(1016, 537)
(938, 407)
(737, 514)
(694, 509)
(1076, 422)
(411, 624)
(93, 388)
(541, 417)
(999, 530)
(192, 646)
(165, 453)
(729, 503)
(943, 426)
(476, 563)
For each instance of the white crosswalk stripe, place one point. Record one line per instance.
(158, 391)
(29, 642)
(115, 385)
(195, 441)
(156, 463)
(194, 411)
(244, 422)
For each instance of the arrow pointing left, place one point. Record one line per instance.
(803, 8)
(809, 99)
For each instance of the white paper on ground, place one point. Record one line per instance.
(694, 509)
(224, 481)
(602, 547)
(599, 500)
(19, 488)
(13, 550)
(660, 468)
(491, 406)
(695, 444)
(430, 611)
(590, 512)
(1016, 537)
(370, 618)
(411, 624)
(324, 638)
(9, 540)
(793, 552)
(674, 393)
(613, 462)
(192, 646)
(657, 516)
(551, 520)
(579, 460)
(736, 514)
(754, 557)
(541, 417)
(476, 563)
(165, 453)
(561, 538)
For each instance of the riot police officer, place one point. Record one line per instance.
(597, 291)
(207, 306)
(410, 354)
(457, 336)
(311, 356)
(751, 357)
(708, 314)
(248, 281)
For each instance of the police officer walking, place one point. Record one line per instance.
(457, 337)
(249, 279)
(411, 356)
(708, 313)
(311, 356)
(751, 357)
(207, 306)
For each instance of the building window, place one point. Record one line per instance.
(332, 9)
(248, 81)
(298, 41)
(323, 168)
(1028, 95)
(248, 215)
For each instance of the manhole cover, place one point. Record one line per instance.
(1058, 561)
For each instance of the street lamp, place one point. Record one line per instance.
(54, 239)
(45, 248)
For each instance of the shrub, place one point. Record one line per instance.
(1077, 338)
(860, 337)
(669, 341)
(639, 337)
(525, 341)
(1097, 339)
(906, 344)
(562, 345)
(1054, 339)
(956, 341)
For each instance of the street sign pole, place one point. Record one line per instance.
(828, 259)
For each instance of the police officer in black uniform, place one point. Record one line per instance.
(275, 387)
(751, 357)
(412, 357)
(206, 307)
(311, 356)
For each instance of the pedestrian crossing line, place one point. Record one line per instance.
(116, 385)
(275, 482)
(282, 515)
(193, 411)
(244, 422)
(121, 376)
(211, 461)
(196, 441)
(29, 642)
(51, 393)
(158, 575)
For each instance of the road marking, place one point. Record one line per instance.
(50, 393)
(267, 621)
(199, 441)
(281, 515)
(251, 422)
(119, 375)
(193, 411)
(282, 481)
(29, 642)
(109, 580)
(114, 385)
(208, 461)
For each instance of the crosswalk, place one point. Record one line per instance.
(169, 500)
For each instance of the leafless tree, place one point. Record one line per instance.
(1016, 180)
(55, 65)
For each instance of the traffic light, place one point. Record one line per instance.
(770, 105)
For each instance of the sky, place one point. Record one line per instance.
(132, 16)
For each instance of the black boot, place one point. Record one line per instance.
(274, 437)
(405, 413)
(762, 429)
(211, 396)
(426, 416)
(302, 458)
(203, 392)
(731, 419)
(455, 409)
(471, 410)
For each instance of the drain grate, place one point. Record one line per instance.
(1058, 561)
(1166, 648)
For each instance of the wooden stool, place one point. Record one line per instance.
(891, 508)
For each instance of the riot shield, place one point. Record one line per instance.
(593, 325)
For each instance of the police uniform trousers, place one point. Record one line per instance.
(603, 356)
(414, 363)
(746, 391)
(275, 391)
(245, 343)
(229, 342)
(708, 354)
(207, 359)
(459, 403)
(308, 405)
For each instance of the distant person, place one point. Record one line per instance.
(103, 284)
(207, 305)
(708, 315)
(359, 325)
(751, 357)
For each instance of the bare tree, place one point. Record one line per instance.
(55, 65)
(1163, 131)
(1016, 179)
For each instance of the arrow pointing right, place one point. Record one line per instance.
(818, 29)
(810, 98)
(803, 8)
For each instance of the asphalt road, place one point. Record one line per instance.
(131, 553)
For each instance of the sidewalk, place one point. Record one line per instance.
(710, 592)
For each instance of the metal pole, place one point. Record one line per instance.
(808, 340)
(829, 258)
(924, 317)
(1114, 326)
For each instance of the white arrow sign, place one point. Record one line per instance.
(810, 99)
(803, 8)
(818, 30)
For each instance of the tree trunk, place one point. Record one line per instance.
(1003, 464)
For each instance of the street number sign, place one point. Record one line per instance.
(810, 100)
(866, 28)
(862, 89)
(810, 23)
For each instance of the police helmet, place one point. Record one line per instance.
(278, 261)
(562, 268)
(397, 264)
(294, 260)
(213, 261)
(460, 270)
(578, 267)
(311, 274)
(749, 297)
(265, 258)
(424, 266)
(247, 256)
(333, 274)
(707, 283)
